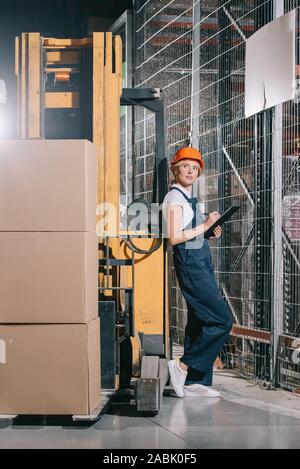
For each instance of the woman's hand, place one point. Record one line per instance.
(211, 219)
(217, 233)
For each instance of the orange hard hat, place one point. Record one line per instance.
(188, 153)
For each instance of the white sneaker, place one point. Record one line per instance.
(199, 390)
(178, 377)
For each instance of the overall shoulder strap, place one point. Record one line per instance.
(184, 195)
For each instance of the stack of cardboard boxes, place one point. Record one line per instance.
(49, 326)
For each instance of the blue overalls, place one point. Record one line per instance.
(209, 319)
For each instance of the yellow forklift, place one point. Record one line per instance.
(72, 89)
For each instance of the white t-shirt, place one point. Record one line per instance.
(174, 197)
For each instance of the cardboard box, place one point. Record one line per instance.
(50, 369)
(47, 185)
(48, 277)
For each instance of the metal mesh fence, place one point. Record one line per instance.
(257, 258)
(238, 156)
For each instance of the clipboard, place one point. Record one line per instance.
(226, 215)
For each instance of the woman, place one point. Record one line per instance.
(209, 319)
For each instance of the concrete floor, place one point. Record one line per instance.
(245, 417)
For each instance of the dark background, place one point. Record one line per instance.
(55, 18)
